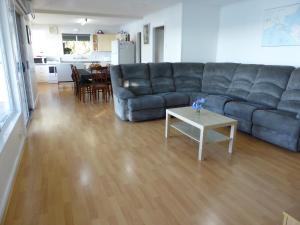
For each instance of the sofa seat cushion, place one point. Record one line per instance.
(277, 120)
(123, 93)
(243, 125)
(279, 138)
(138, 86)
(146, 102)
(173, 99)
(216, 103)
(243, 110)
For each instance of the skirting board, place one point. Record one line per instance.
(9, 189)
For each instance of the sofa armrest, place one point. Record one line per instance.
(116, 81)
(123, 93)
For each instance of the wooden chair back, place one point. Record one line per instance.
(100, 78)
(76, 74)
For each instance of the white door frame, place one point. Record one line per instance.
(154, 41)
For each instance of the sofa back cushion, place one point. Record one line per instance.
(243, 80)
(269, 85)
(188, 76)
(290, 99)
(161, 75)
(217, 77)
(116, 76)
(136, 78)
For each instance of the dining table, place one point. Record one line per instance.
(85, 75)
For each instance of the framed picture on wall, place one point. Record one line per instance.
(146, 34)
(281, 26)
(28, 32)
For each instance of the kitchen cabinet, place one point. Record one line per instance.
(52, 75)
(102, 42)
(42, 72)
(46, 73)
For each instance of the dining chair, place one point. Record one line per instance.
(83, 88)
(95, 68)
(99, 85)
(109, 81)
(73, 76)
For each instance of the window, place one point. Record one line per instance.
(76, 44)
(6, 106)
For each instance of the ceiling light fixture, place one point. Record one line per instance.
(83, 21)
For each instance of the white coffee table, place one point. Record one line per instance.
(200, 126)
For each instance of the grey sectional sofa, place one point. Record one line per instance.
(264, 99)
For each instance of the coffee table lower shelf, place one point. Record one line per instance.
(200, 127)
(192, 132)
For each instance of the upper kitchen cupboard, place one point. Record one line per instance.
(102, 42)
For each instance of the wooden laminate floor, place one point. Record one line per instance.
(83, 166)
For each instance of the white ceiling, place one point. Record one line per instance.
(59, 19)
(102, 12)
(135, 8)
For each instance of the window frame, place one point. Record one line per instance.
(12, 66)
(11, 100)
(76, 40)
(5, 63)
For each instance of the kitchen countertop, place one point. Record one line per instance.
(87, 61)
(70, 62)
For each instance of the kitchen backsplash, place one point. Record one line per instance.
(94, 56)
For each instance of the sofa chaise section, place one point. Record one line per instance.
(264, 94)
(239, 89)
(281, 126)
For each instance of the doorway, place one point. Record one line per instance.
(138, 49)
(159, 43)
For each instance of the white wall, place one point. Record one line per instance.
(241, 27)
(200, 28)
(191, 32)
(171, 19)
(45, 43)
(9, 160)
